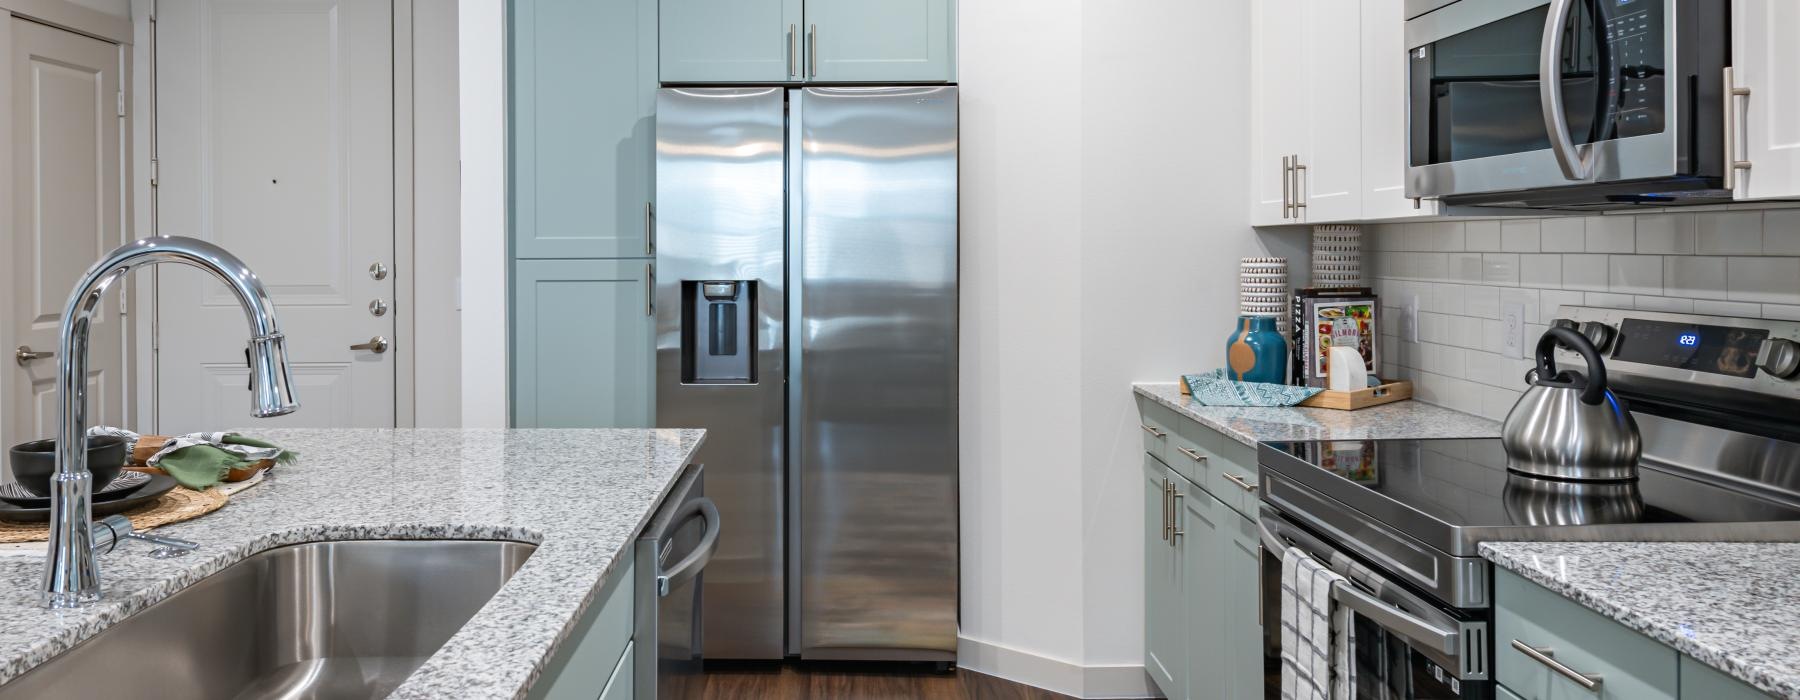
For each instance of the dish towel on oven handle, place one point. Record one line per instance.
(1315, 631)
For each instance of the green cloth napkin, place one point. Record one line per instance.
(200, 467)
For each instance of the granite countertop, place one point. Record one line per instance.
(1731, 606)
(1249, 425)
(580, 495)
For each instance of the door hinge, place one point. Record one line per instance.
(121, 98)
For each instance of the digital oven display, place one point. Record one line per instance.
(1715, 349)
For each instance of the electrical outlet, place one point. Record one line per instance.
(1512, 330)
(1409, 320)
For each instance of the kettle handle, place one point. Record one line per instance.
(1595, 391)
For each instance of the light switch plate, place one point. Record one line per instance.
(1409, 320)
(1512, 330)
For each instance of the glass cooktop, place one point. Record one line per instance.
(1461, 489)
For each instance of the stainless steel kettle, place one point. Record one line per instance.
(1569, 425)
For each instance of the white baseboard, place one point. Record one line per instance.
(1057, 675)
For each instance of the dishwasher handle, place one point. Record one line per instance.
(685, 570)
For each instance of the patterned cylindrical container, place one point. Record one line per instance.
(1337, 256)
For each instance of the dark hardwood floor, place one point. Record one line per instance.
(857, 681)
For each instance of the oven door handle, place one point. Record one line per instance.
(1380, 612)
(1575, 163)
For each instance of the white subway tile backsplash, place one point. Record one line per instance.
(1666, 234)
(1781, 232)
(1544, 271)
(1694, 276)
(1669, 304)
(1727, 308)
(1764, 280)
(1729, 233)
(1483, 236)
(1634, 274)
(1610, 300)
(1611, 234)
(1563, 234)
(1586, 273)
(1500, 268)
(1551, 300)
(1724, 261)
(1519, 235)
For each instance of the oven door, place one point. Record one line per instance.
(1403, 647)
(1482, 120)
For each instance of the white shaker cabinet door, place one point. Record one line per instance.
(1331, 179)
(1766, 61)
(1278, 118)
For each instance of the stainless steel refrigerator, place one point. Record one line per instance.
(806, 316)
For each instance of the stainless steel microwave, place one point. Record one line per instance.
(1566, 104)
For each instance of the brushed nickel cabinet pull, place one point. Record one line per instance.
(1165, 510)
(812, 51)
(1153, 431)
(1196, 456)
(1287, 187)
(1241, 483)
(649, 228)
(649, 290)
(1175, 496)
(1300, 187)
(793, 50)
(1734, 134)
(1587, 681)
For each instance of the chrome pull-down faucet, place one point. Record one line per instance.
(71, 577)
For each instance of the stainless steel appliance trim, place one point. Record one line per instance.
(1576, 165)
(646, 556)
(1460, 581)
(1628, 371)
(1433, 632)
(691, 565)
(1587, 681)
(1458, 17)
(796, 429)
(1733, 132)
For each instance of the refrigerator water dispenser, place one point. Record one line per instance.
(718, 342)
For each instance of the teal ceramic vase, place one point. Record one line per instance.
(1256, 352)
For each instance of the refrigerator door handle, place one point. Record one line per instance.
(689, 566)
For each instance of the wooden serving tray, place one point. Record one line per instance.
(1361, 398)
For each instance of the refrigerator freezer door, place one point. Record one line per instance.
(875, 415)
(720, 169)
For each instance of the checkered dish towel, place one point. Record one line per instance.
(1315, 631)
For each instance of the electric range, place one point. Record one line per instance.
(1718, 408)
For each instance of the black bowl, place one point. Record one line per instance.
(34, 462)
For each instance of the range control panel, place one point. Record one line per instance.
(1752, 354)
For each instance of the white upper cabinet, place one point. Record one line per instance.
(1329, 113)
(1278, 109)
(1384, 135)
(1766, 121)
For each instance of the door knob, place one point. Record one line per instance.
(376, 344)
(24, 355)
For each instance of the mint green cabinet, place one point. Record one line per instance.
(881, 40)
(1163, 595)
(583, 94)
(731, 41)
(1631, 666)
(581, 344)
(595, 660)
(1240, 598)
(1201, 517)
(1702, 682)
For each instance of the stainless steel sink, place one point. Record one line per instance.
(324, 620)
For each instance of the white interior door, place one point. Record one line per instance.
(275, 141)
(63, 104)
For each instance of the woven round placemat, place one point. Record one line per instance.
(175, 506)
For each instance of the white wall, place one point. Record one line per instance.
(481, 31)
(1104, 209)
(437, 329)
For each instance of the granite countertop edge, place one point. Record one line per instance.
(1516, 557)
(504, 648)
(1249, 425)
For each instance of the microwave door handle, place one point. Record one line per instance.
(1575, 164)
(1395, 620)
(690, 565)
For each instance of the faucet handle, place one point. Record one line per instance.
(110, 529)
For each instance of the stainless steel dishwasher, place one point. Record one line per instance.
(671, 554)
